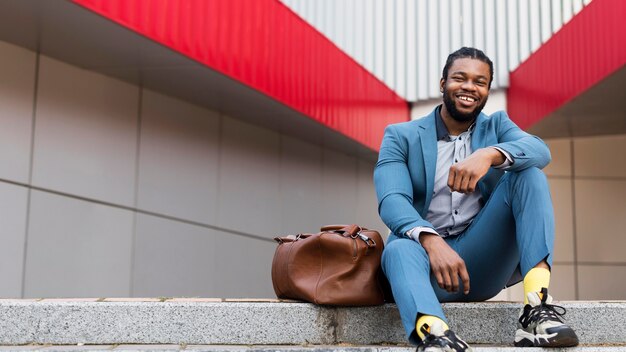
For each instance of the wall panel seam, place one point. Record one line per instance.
(30, 173)
(139, 211)
(133, 242)
(574, 230)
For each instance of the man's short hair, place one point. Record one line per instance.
(472, 53)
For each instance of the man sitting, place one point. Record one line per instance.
(458, 218)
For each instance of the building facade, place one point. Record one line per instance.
(147, 152)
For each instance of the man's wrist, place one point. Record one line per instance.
(427, 238)
(497, 157)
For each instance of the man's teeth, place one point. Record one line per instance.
(462, 97)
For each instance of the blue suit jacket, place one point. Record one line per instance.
(405, 173)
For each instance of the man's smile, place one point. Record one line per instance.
(466, 100)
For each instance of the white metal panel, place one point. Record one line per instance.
(467, 19)
(434, 72)
(523, 29)
(568, 7)
(309, 9)
(535, 25)
(512, 33)
(577, 6)
(411, 50)
(321, 20)
(455, 26)
(490, 35)
(390, 44)
(337, 26)
(405, 42)
(501, 67)
(422, 49)
(348, 20)
(357, 12)
(478, 24)
(557, 15)
(400, 52)
(546, 19)
(444, 33)
(368, 28)
(379, 52)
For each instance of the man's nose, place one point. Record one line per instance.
(468, 85)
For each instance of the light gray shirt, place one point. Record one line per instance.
(452, 212)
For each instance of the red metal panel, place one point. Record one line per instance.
(266, 46)
(585, 51)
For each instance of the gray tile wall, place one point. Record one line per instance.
(85, 133)
(588, 183)
(127, 192)
(17, 86)
(13, 210)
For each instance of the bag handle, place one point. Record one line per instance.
(353, 231)
(292, 238)
(346, 230)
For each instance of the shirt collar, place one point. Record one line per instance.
(442, 130)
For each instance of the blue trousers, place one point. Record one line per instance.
(511, 234)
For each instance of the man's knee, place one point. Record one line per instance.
(528, 179)
(531, 174)
(403, 250)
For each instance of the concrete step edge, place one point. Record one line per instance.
(274, 323)
(316, 348)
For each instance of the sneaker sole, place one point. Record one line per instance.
(563, 338)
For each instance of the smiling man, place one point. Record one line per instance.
(470, 213)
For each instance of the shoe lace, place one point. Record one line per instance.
(542, 312)
(448, 339)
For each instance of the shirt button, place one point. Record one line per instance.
(460, 138)
(456, 161)
(456, 212)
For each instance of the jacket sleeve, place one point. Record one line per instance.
(393, 186)
(527, 150)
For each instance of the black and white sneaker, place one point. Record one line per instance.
(541, 324)
(436, 340)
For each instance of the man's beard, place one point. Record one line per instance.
(456, 114)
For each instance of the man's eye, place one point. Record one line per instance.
(481, 83)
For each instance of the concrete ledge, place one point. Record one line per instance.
(320, 348)
(210, 322)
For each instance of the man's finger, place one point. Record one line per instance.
(439, 279)
(455, 280)
(447, 283)
(451, 176)
(458, 178)
(471, 187)
(465, 182)
(465, 278)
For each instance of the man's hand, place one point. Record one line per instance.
(445, 263)
(465, 175)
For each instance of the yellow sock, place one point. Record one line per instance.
(430, 320)
(534, 280)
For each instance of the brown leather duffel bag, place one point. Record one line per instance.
(338, 266)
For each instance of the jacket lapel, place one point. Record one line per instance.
(428, 140)
(478, 136)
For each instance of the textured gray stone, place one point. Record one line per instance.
(370, 325)
(318, 348)
(273, 323)
(164, 323)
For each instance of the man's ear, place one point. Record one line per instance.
(442, 82)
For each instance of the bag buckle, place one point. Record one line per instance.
(368, 241)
